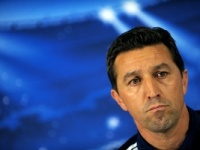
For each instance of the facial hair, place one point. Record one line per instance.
(161, 120)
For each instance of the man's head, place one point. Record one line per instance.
(148, 78)
(140, 37)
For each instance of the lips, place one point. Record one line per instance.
(157, 107)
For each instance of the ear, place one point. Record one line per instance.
(185, 81)
(118, 99)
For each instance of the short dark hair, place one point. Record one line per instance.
(140, 37)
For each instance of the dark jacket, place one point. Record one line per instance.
(191, 142)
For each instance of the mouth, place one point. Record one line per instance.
(156, 108)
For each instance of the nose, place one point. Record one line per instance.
(151, 87)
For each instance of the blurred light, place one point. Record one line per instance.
(107, 15)
(131, 8)
(42, 148)
(113, 122)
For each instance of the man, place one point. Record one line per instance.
(149, 81)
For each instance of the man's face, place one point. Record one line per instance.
(150, 87)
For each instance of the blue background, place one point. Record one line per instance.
(55, 94)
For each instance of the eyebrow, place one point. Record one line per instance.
(161, 66)
(136, 72)
(130, 74)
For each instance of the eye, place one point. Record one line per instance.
(162, 74)
(135, 81)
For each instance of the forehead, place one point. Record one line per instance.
(139, 59)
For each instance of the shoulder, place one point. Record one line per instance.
(196, 114)
(197, 117)
(197, 111)
(130, 144)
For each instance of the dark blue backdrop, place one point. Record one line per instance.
(55, 94)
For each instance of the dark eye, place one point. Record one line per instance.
(161, 74)
(135, 81)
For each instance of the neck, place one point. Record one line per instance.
(173, 138)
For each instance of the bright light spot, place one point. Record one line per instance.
(113, 122)
(131, 8)
(107, 15)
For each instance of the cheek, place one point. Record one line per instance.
(174, 94)
(133, 98)
(136, 113)
(133, 103)
(177, 87)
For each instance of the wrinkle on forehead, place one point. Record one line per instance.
(137, 72)
(138, 59)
